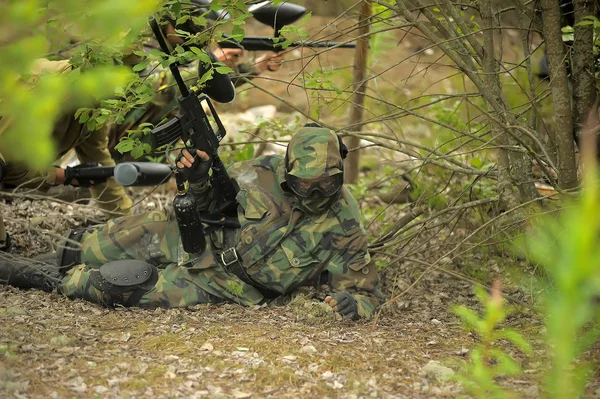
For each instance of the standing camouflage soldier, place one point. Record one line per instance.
(90, 147)
(164, 101)
(297, 221)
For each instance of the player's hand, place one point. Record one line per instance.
(343, 303)
(229, 56)
(71, 175)
(194, 169)
(270, 61)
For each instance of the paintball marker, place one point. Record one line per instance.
(276, 16)
(125, 174)
(194, 127)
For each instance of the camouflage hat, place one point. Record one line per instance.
(314, 152)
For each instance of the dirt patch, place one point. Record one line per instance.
(54, 347)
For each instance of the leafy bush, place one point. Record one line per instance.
(567, 248)
(31, 101)
(488, 361)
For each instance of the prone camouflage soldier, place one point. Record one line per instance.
(298, 224)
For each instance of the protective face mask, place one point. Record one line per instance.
(315, 206)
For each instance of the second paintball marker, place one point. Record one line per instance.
(125, 174)
(276, 16)
(265, 43)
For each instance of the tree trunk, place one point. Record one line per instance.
(563, 117)
(582, 65)
(491, 80)
(359, 87)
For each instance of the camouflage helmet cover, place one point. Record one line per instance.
(314, 152)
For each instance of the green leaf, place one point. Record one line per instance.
(237, 33)
(476, 163)
(224, 70)
(199, 21)
(206, 77)
(468, 317)
(182, 19)
(176, 7)
(137, 152)
(101, 119)
(141, 66)
(202, 56)
(515, 338)
(84, 116)
(124, 146)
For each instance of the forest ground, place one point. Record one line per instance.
(53, 347)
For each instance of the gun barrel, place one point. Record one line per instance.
(326, 44)
(141, 173)
(265, 43)
(94, 172)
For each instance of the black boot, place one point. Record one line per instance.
(5, 244)
(30, 274)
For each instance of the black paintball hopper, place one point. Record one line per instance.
(276, 16)
(219, 88)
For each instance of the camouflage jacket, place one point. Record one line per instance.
(282, 248)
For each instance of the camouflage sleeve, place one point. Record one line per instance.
(18, 174)
(110, 196)
(357, 274)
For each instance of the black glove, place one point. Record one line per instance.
(74, 173)
(197, 173)
(346, 305)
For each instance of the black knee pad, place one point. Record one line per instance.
(124, 282)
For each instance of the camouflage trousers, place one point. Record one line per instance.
(183, 279)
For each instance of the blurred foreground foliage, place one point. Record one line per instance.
(34, 94)
(567, 248)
